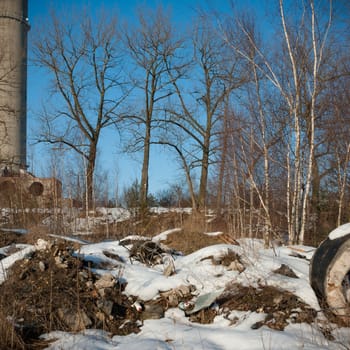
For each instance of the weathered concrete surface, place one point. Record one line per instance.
(28, 191)
(14, 27)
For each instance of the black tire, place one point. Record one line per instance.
(329, 268)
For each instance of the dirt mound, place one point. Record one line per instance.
(53, 290)
(281, 307)
(189, 241)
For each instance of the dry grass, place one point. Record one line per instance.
(9, 339)
(36, 297)
(191, 238)
(188, 242)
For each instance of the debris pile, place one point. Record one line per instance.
(148, 252)
(231, 260)
(57, 288)
(281, 307)
(53, 290)
(285, 270)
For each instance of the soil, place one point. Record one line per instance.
(281, 307)
(8, 238)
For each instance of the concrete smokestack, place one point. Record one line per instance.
(14, 28)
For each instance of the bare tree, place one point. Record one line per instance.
(83, 60)
(153, 47)
(337, 136)
(177, 145)
(222, 155)
(302, 45)
(215, 74)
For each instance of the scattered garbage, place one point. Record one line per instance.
(81, 295)
(169, 265)
(202, 302)
(53, 289)
(150, 253)
(19, 231)
(176, 296)
(285, 270)
(232, 260)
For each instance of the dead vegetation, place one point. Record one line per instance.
(9, 339)
(188, 242)
(281, 307)
(55, 289)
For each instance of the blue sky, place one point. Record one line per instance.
(163, 170)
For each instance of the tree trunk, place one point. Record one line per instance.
(342, 181)
(91, 161)
(315, 199)
(204, 176)
(222, 169)
(145, 170)
(266, 197)
(202, 197)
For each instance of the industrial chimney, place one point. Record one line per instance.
(18, 187)
(14, 27)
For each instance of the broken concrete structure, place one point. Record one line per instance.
(28, 191)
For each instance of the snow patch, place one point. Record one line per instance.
(6, 263)
(340, 231)
(213, 234)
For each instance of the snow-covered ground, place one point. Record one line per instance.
(175, 330)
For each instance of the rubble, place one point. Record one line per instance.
(42, 244)
(169, 266)
(74, 320)
(81, 299)
(60, 289)
(52, 289)
(285, 270)
(106, 281)
(281, 307)
(147, 252)
(236, 266)
(202, 302)
(231, 260)
(175, 296)
(152, 311)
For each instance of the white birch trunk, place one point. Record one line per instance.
(317, 59)
(294, 105)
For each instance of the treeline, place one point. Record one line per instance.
(256, 114)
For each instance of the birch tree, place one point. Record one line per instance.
(306, 31)
(215, 74)
(338, 140)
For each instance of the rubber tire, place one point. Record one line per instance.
(321, 269)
